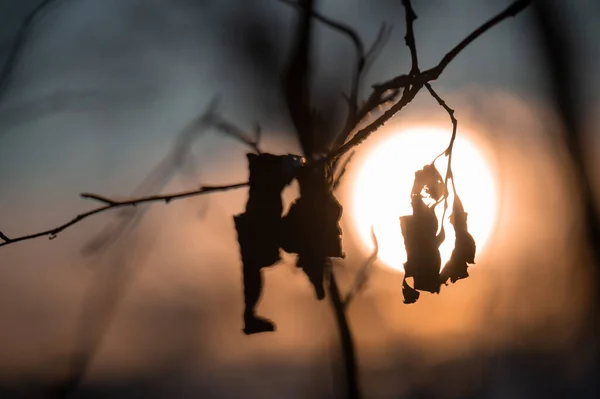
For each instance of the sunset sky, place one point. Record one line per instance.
(100, 91)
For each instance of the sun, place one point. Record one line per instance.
(382, 185)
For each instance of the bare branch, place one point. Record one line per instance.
(177, 159)
(411, 85)
(409, 38)
(111, 204)
(335, 25)
(363, 275)
(233, 131)
(355, 112)
(19, 42)
(297, 79)
(510, 11)
(364, 133)
(363, 60)
(448, 151)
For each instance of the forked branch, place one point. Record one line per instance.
(297, 80)
(412, 83)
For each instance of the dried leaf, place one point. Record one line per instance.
(422, 246)
(410, 294)
(430, 180)
(464, 246)
(259, 227)
(311, 227)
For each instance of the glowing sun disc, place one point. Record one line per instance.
(383, 182)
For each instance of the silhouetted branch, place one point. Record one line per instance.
(363, 274)
(448, 150)
(112, 204)
(412, 84)
(342, 28)
(177, 159)
(511, 11)
(232, 130)
(409, 38)
(347, 341)
(364, 61)
(297, 80)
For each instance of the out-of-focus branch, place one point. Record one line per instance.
(113, 204)
(363, 60)
(177, 159)
(363, 274)
(7, 69)
(212, 118)
(347, 341)
(297, 79)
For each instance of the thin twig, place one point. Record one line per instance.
(362, 277)
(178, 158)
(111, 204)
(416, 83)
(233, 131)
(335, 25)
(355, 112)
(448, 151)
(409, 38)
(346, 339)
(511, 11)
(297, 80)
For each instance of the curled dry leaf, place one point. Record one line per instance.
(311, 227)
(422, 248)
(430, 180)
(258, 228)
(464, 246)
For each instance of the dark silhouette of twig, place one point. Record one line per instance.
(511, 11)
(177, 159)
(409, 38)
(414, 84)
(113, 204)
(232, 130)
(448, 150)
(363, 60)
(297, 80)
(347, 341)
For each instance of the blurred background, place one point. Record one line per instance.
(100, 92)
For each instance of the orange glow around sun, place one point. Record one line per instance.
(381, 190)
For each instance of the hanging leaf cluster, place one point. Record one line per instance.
(310, 228)
(422, 239)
